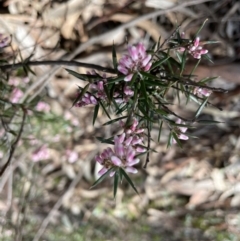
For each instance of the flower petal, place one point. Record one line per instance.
(131, 170)
(128, 77)
(102, 171)
(133, 162)
(116, 161)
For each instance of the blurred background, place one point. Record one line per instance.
(191, 193)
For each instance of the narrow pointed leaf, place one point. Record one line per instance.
(177, 139)
(100, 179)
(104, 140)
(115, 120)
(128, 180)
(95, 114)
(115, 185)
(114, 57)
(160, 130)
(200, 28)
(102, 105)
(116, 79)
(201, 108)
(159, 62)
(83, 91)
(77, 75)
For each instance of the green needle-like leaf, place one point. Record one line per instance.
(83, 91)
(115, 120)
(77, 75)
(200, 28)
(95, 114)
(128, 180)
(205, 80)
(114, 57)
(100, 179)
(201, 107)
(177, 139)
(115, 185)
(115, 79)
(102, 105)
(160, 130)
(160, 62)
(107, 141)
(209, 122)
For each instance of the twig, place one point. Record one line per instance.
(169, 38)
(56, 62)
(14, 144)
(148, 147)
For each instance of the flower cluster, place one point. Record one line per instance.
(180, 131)
(97, 92)
(126, 146)
(194, 49)
(120, 156)
(136, 60)
(132, 136)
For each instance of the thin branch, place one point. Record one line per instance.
(56, 62)
(14, 144)
(148, 147)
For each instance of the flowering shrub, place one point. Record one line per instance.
(139, 90)
(140, 93)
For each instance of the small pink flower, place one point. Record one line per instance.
(41, 153)
(42, 106)
(181, 131)
(16, 95)
(123, 97)
(136, 60)
(72, 156)
(87, 99)
(201, 91)
(194, 49)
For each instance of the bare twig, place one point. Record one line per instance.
(56, 62)
(14, 144)
(148, 147)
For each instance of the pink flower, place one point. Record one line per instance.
(87, 99)
(72, 156)
(201, 91)
(42, 153)
(136, 60)
(194, 49)
(42, 106)
(132, 136)
(181, 131)
(120, 156)
(16, 95)
(96, 92)
(123, 96)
